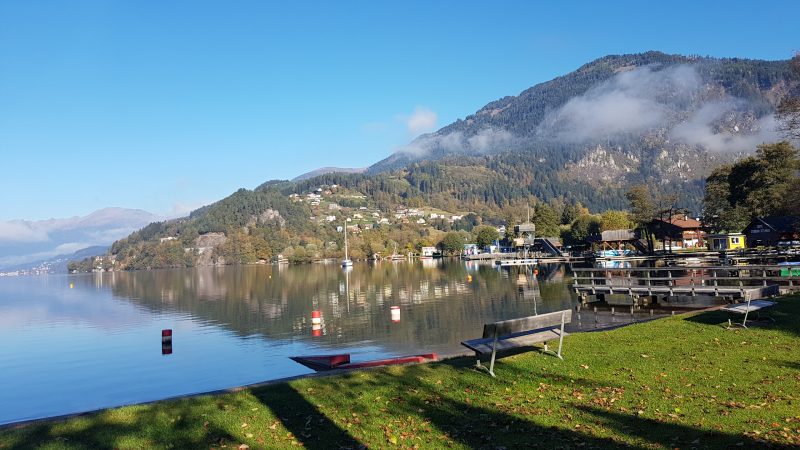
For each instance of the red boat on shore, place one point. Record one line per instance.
(342, 361)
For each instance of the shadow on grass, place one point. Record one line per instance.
(785, 314)
(529, 425)
(673, 435)
(308, 425)
(174, 426)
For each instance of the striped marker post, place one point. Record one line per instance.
(166, 342)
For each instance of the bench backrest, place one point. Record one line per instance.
(512, 326)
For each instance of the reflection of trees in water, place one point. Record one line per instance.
(439, 306)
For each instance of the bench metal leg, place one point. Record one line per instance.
(746, 312)
(489, 369)
(494, 352)
(744, 322)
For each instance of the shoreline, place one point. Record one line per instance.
(652, 385)
(324, 374)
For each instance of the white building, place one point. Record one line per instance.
(428, 251)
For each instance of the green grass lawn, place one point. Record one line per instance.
(681, 382)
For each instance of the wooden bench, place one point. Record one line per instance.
(520, 333)
(746, 309)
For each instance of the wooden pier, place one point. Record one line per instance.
(732, 283)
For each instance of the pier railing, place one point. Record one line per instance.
(685, 280)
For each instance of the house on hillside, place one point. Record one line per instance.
(773, 231)
(679, 232)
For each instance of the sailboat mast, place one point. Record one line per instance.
(345, 241)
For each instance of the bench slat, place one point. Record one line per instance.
(516, 340)
(507, 327)
(754, 305)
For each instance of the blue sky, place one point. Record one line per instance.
(168, 105)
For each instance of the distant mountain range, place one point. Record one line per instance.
(57, 263)
(25, 243)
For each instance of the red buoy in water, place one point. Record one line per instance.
(316, 323)
(166, 342)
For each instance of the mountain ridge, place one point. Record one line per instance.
(327, 170)
(521, 122)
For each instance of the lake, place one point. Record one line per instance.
(74, 343)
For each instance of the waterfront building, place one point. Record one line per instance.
(773, 231)
(725, 242)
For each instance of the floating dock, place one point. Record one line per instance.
(732, 283)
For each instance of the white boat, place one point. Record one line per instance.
(395, 256)
(346, 262)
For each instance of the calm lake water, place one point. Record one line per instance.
(82, 342)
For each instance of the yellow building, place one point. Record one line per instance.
(724, 242)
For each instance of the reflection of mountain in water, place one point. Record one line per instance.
(440, 306)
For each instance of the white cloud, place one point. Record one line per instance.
(700, 129)
(21, 231)
(70, 247)
(423, 120)
(487, 140)
(63, 249)
(490, 139)
(632, 101)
